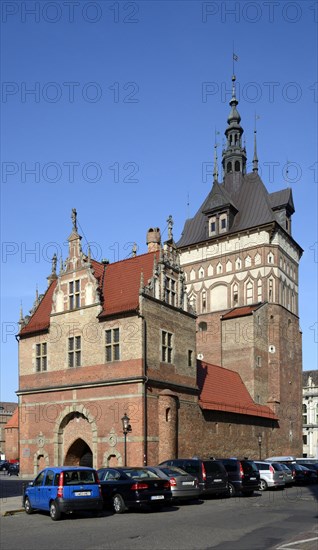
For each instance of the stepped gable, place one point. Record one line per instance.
(223, 390)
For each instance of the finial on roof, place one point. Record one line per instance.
(54, 261)
(170, 226)
(255, 158)
(134, 250)
(74, 219)
(36, 294)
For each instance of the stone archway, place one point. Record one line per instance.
(79, 454)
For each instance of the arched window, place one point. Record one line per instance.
(270, 290)
(305, 414)
(237, 166)
(235, 295)
(203, 327)
(168, 414)
(203, 303)
(229, 167)
(249, 292)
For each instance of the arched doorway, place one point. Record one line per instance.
(79, 454)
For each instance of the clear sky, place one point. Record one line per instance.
(112, 108)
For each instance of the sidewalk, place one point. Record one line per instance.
(10, 506)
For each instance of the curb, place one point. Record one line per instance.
(12, 512)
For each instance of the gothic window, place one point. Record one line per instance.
(203, 327)
(201, 273)
(193, 300)
(237, 166)
(192, 275)
(259, 290)
(235, 295)
(229, 167)
(248, 261)
(305, 414)
(203, 303)
(228, 266)
(170, 291)
(74, 294)
(249, 292)
(219, 268)
(238, 263)
(270, 258)
(270, 290)
(112, 348)
(210, 270)
(257, 259)
(190, 357)
(74, 351)
(166, 346)
(41, 357)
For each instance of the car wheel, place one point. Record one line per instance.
(119, 504)
(55, 511)
(262, 485)
(27, 506)
(232, 491)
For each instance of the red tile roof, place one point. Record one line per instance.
(223, 390)
(119, 284)
(14, 420)
(241, 311)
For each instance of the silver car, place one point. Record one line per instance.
(271, 475)
(183, 486)
(288, 474)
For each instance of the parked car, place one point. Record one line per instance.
(183, 485)
(125, 488)
(288, 474)
(271, 475)
(13, 469)
(4, 465)
(243, 476)
(310, 475)
(211, 474)
(64, 489)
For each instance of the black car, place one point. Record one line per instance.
(125, 488)
(243, 476)
(4, 465)
(13, 469)
(211, 474)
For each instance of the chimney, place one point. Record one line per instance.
(153, 239)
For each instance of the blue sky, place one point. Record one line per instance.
(112, 108)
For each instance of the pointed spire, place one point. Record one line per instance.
(89, 255)
(255, 157)
(21, 313)
(36, 295)
(234, 155)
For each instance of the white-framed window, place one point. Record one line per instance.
(166, 347)
(219, 268)
(257, 259)
(171, 291)
(203, 301)
(238, 263)
(223, 223)
(74, 351)
(74, 289)
(201, 273)
(248, 261)
(41, 357)
(259, 290)
(212, 226)
(270, 258)
(249, 292)
(228, 266)
(305, 421)
(112, 345)
(270, 290)
(235, 295)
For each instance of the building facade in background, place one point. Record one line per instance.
(310, 414)
(6, 412)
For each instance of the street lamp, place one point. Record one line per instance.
(126, 428)
(260, 445)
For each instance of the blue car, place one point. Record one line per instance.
(63, 490)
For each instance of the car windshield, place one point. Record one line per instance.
(211, 467)
(173, 471)
(249, 467)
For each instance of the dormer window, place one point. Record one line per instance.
(74, 294)
(223, 223)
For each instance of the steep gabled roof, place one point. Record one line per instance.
(14, 420)
(241, 311)
(223, 390)
(119, 285)
(249, 197)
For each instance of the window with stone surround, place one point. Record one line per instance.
(41, 357)
(171, 291)
(112, 350)
(166, 347)
(304, 414)
(74, 351)
(74, 294)
(212, 226)
(190, 357)
(249, 292)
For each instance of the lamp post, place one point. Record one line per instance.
(260, 445)
(126, 428)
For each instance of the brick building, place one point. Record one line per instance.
(241, 267)
(11, 430)
(310, 414)
(6, 411)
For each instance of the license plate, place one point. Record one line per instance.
(188, 483)
(218, 481)
(157, 497)
(253, 478)
(82, 493)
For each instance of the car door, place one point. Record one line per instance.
(36, 492)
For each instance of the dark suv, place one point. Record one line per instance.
(211, 474)
(243, 476)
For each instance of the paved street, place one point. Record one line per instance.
(270, 520)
